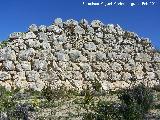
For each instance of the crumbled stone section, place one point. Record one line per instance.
(76, 53)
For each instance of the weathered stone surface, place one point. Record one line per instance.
(33, 28)
(84, 22)
(77, 75)
(116, 66)
(111, 28)
(20, 76)
(66, 75)
(23, 66)
(58, 22)
(7, 54)
(46, 45)
(158, 73)
(32, 76)
(89, 76)
(38, 86)
(45, 55)
(150, 75)
(100, 56)
(62, 39)
(6, 85)
(96, 67)
(138, 71)
(126, 76)
(61, 56)
(90, 31)
(105, 67)
(71, 22)
(75, 67)
(26, 55)
(57, 30)
(103, 76)
(156, 57)
(30, 35)
(16, 35)
(115, 76)
(78, 30)
(90, 46)
(42, 28)
(8, 65)
(42, 36)
(39, 65)
(96, 24)
(85, 67)
(75, 54)
(30, 42)
(4, 76)
(21, 84)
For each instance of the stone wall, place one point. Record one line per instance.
(75, 54)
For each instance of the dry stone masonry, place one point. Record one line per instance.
(75, 54)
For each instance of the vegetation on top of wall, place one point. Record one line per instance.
(3, 43)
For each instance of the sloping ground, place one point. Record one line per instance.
(74, 108)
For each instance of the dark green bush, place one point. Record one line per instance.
(6, 100)
(58, 93)
(3, 43)
(136, 102)
(108, 111)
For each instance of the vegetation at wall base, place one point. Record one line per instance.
(133, 103)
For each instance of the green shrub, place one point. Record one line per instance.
(3, 43)
(108, 111)
(6, 101)
(58, 93)
(136, 102)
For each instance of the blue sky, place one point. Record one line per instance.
(17, 15)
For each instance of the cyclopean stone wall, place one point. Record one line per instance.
(75, 54)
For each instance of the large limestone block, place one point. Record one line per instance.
(100, 56)
(32, 76)
(26, 55)
(33, 28)
(23, 66)
(16, 35)
(89, 76)
(6, 85)
(20, 76)
(8, 65)
(138, 71)
(115, 76)
(85, 67)
(58, 22)
(7, 54)
(74, 55)
(61, 56)
(30, 35)
(37, 86)
(39, 65)
(4, 76)
(116, 66)
(90, 46)
(96, 24)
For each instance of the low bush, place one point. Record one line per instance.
(134, 104)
